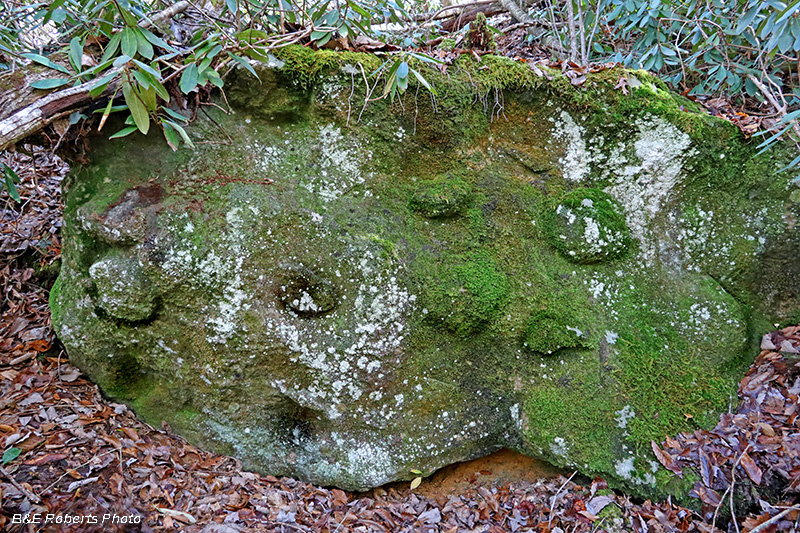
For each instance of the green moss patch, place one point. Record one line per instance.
(548, 332)
(587, 226)
(467, 295)
(444, 197)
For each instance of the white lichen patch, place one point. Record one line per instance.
(339, 164)
(623, 416)
(577, 159)
(332, 92)
(560, 447)
(328, 164)
(626, 469)
(515, 416)
(376, 319)
(586, 234)
(605, 291)
(711, 315)
(220, 273)
(373, 455)
(707, 237)
(123, 291)
(644, 173)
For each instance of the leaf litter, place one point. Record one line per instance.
(67, 449)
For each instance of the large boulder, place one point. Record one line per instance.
(347, 293)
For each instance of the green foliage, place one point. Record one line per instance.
(11, 454)
(143, 67)
(736, 49)
(10, 180)
(716, 45)
(398, 74)
(745, 48)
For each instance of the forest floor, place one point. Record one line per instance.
(70, 454)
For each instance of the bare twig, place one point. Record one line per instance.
(730, 491)
(779, 107)
(763, 526)
(573, 38)
(427, 18)
(162, 16)
(65, 474)
(555, 497)
(30, 495)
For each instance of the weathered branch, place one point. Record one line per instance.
(516, 12)
(779, 107)
(166, 14)
(764, 525)
(459, 20)
(46, 109)
(532, 26)
(442, 13)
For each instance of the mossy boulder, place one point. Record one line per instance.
(443, 197)
(465, 295)
(548, 333)
(352, 294)
(588, 226)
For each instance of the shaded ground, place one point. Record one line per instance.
(498, 469)
(72, 453)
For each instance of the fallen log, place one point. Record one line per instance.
(25, 110)
(31, 112)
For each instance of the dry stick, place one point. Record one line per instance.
(761, 527)
(729, 489)
(733, 483)
(65, 474)
(573, 39)
(516, 12)
(582, 34)
(555, 497)
(171, 11)
(437, 14)
(42, 112)
(594, 29)
(30, 495)
(343, 521)
(780, 109)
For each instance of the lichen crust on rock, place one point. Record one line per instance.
(352, 294)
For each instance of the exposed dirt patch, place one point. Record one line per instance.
(500, 468)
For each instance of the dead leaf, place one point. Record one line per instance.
(598, 503)
(33, 398)
(665, 459)
(177, 515)
(47, 458)
(753, 471)
(622, 85)
(78, 484)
